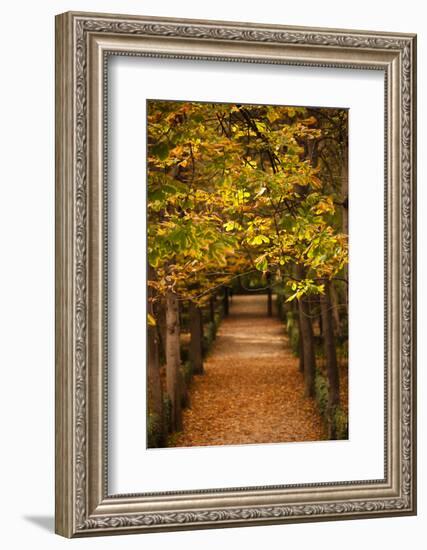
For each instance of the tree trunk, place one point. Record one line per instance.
(331, 360)
(301, 348)
(269, 296)
(334, 296)
(154, 370)
(295, 316)
(196, 342)
(344, 187)
(155, 399)
(173, 361)
(320, 319)
(160, 315)
(307, 340)
(225, 302)
(344, 199)
(212, 300)
(240, 285)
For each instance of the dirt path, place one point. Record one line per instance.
(252, 391)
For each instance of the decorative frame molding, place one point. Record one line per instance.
(83, 43)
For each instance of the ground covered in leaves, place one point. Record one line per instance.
(252, 390)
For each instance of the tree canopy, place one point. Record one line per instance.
(234, 189)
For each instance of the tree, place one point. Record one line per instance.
(155, 398)
(331, 359)
(173, 361)
(235, 189)
(196, 342)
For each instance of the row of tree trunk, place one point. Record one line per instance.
(307, 351)
(164, 346)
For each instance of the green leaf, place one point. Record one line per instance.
(160, 150)
(261, 263)
(259, 239)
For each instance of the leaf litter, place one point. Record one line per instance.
(251, 390)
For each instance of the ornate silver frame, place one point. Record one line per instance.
(83, 505)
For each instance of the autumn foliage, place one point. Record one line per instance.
(243, 192)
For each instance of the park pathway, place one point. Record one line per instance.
(252, 390)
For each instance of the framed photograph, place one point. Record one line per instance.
(235, 274)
